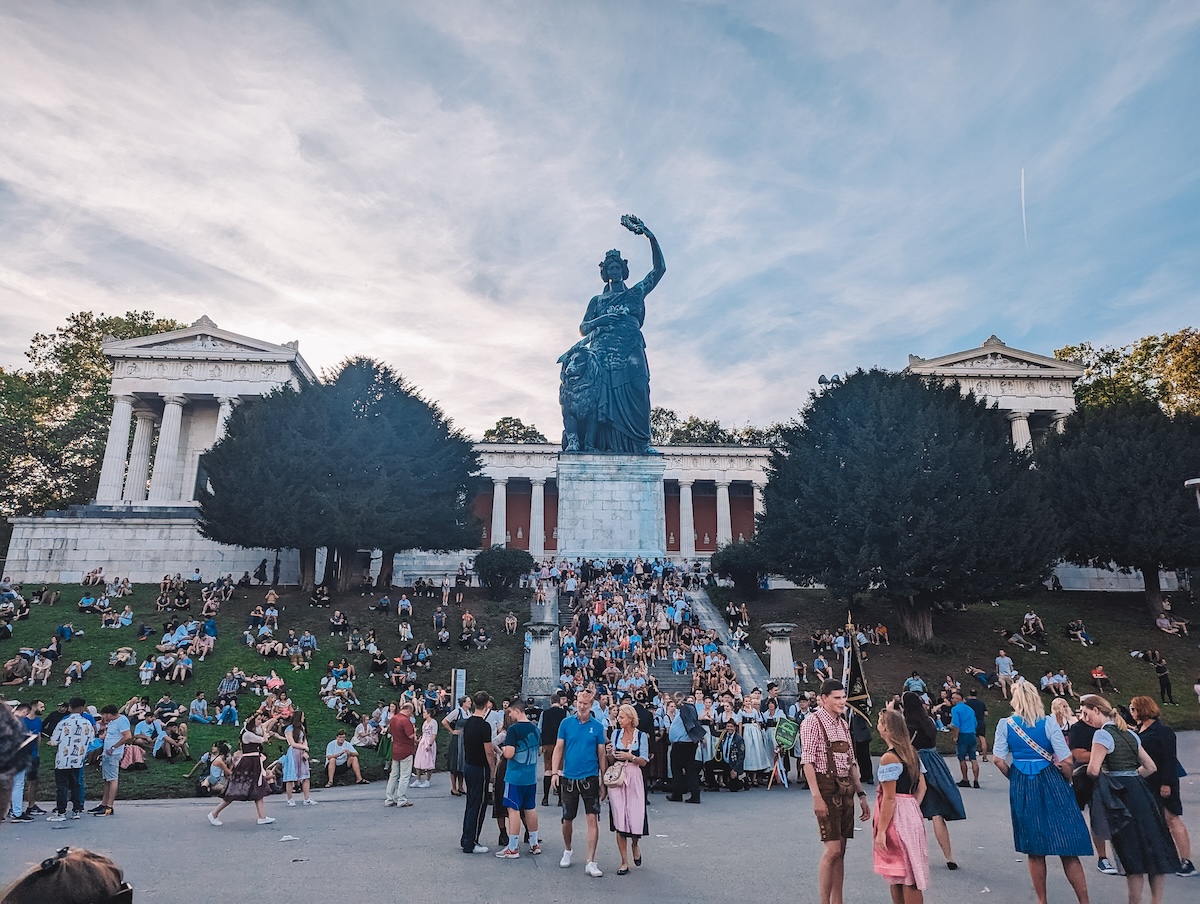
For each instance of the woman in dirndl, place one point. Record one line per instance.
(706, 715)
(1134, 816)
(901, 853)
(942, 802)
(295, 760)
(425, 759)
(760, 753)
(453, 723)
(627, 801)
(1030, 750)
(249, 779)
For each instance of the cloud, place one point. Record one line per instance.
(434, 184)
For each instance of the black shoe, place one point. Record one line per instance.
(975, 785)
(674, 800)
(24, 817)
(36, 810)
(97, 808)
(964, 784)
(692, 800)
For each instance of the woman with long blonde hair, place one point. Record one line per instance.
(1135, 820)
(1030, 751)
(901, 852)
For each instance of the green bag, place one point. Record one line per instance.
(785, 733)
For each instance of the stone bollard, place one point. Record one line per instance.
(782, 667)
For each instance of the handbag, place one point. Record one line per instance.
(614, 776)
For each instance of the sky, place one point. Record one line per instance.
(433, 184)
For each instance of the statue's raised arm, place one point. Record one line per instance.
(637, 227)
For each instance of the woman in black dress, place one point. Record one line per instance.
(249, 779)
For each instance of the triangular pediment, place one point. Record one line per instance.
(994, 357)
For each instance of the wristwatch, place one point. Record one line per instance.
(861, 793)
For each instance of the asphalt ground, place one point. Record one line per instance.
(756, 845)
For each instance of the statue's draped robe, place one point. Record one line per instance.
(623, 410)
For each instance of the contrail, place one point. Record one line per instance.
(1024, 224)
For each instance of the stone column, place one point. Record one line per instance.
(783, 672)
(724, 522)
(758, 500)
(537, 519)
(1020, 429)
(687, 521)
(540, 676)
(162, 479)
(227, 404)
(499, 511)
(1060, 421)
(139, 458)
(112, 472)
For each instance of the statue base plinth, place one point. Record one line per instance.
(611, 506)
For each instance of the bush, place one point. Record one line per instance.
(500, 569)
(742, 563)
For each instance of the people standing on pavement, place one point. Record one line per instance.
(522, 742)
(1139, 832)
(580, 759)
(478, 764)
(249, 779)
(1159, 741)
(404, 747)
(296, 767)
(981, 714)
(963, 724)
(71, 738)
(426, 756)
(1030, 751)
(943, 801)
(627, 800)
(117, 733)
(453, 722)
(551, 718)
(828, 761)
(901, 853)
(685, 734)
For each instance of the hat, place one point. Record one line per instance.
(771, 684)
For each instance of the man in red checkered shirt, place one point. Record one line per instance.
(827, 757)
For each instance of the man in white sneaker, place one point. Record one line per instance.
(404, 747)
(522, 743)
(71, 738)
(579, 761)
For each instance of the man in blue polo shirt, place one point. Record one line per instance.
(579, 761)
(962, 725)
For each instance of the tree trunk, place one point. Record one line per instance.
(346, 577)
(916, 620)
(308, 568)
(1153, 590)
(384, 582)
(329, 578)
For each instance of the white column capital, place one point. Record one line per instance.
(175, 399)
(500, 481)
(686, 481)
(1019, 415)
(229, 400)
(124, 397)
(723, 483)
(538, 481)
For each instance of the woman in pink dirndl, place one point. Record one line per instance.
(901, 852)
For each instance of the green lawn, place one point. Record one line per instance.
(497, 670)
(1118, 621)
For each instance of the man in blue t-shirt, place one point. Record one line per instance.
(962, 726)
(522, 744)
(579, 761)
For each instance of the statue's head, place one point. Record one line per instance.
(614, 267)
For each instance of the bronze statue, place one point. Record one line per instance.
(605, 388)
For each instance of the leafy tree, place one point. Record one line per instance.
(742, 563)
(697, 431)
(1116, 477)
(663, 423)
(513, 430)
(54, 416)
(500, 568)
(357, 461)
(895, 488)
(668, 429)
(1164, 369)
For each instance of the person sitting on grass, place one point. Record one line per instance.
(510, 624)
(1064, 683)
(423, 656)
(166, 709)
(341, 757)
(229, 713)
(354, 643)
(87, 603)
(1076, 631)
(40, 670)
(76, 671)
(1169, 625)
(122, 657)
(337, 623)
(1101, 680)
(1049, 684)
(482, 638)
(1016, 639)
(405, 629)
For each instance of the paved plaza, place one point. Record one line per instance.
(756, 845)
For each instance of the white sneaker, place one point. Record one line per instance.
(291, 803)
(310, 802)
(566, 860)
(592, 868)
(480, 849)
(266, 820)
(213, 820)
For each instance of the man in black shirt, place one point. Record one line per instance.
(479, 762)
(548, 728)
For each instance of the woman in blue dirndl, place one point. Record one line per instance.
(1030, 750)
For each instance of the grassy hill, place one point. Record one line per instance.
(1118, 622)
(497, 669)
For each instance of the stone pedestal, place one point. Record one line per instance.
(783, 671)
(611, 506)
(541, 676)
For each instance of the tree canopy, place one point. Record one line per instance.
(500, 568)
(667, 428)
(1163, 369)
(743, 563)
(357, 461)
(54, 416)
(513, 430)
(897, 488)
(1116, 477)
